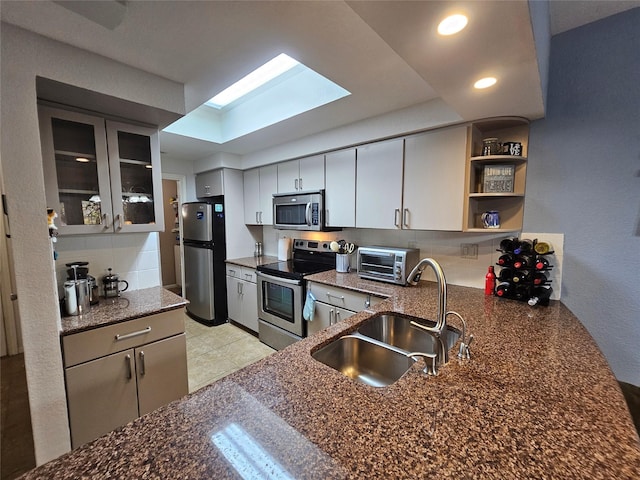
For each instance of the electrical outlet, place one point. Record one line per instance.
(469, 250)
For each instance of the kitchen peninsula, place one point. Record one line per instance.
(536, 400)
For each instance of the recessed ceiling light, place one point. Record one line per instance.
(82, 160)
(485, 82)
(452, 24)
(270, 70)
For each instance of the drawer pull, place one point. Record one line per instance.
(127, 359)
(141, 355)
(329, 294)
(132, 334)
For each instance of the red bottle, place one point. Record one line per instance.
(489, 281)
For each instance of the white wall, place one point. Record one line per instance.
(23, 57)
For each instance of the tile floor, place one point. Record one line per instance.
(214, 352)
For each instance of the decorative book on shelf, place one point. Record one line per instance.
(498, 178)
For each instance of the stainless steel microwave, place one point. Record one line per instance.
(299, 211)
(387, 264)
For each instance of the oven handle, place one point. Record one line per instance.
(274, 279)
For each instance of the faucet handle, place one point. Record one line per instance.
(464, 351)
(430, 360)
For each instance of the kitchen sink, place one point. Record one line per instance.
(364, 361)
(397, 331)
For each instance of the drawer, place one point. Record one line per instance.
(234, 271)
(340, 297)
(91, 344)
(248, 275)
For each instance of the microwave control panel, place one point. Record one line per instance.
(315, 214)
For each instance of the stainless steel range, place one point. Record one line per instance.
(282, 290)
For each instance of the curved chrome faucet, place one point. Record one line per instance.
(414, 278)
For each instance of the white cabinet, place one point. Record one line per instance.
(242, 296)
(305, 174)
(115, 373)
(100, 176)
(340, 188)
(334, 304)
(259, 186)
(209, 184)
(379, 185)
(413, 183)
(434, 170)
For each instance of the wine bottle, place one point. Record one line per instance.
(506, 274)
(543, 248)
(508, 244)
(540, 296)
(522, 262)
(504, 289)
(542, 263)
(489, 281)
(524, 247)
(506, 260)
(540, 278)
(520, 277)
(521, 292)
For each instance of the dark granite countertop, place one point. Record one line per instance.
(130, 305)
(537, 400)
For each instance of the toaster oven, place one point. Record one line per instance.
(387, 264)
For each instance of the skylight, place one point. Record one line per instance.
(267, 72)
(279, 90)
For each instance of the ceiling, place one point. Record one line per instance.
(384, 52)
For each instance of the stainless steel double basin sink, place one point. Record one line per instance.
(377, 354)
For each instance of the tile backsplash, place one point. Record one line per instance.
(444, 247)
(135, 257)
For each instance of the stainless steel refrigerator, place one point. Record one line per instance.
(204, 260)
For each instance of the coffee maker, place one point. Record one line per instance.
(111, 285)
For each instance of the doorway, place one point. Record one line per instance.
(170, 248)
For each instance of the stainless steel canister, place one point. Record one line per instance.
(76, 294)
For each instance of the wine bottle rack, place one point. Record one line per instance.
(524, 273)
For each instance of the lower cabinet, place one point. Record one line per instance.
(242, 296)
(334, 304)
(111, 389)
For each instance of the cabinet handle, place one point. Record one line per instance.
(260, 218)
(329, 294)
(247, 276)
(296, 183)
(105, 220)
(240, 289)
(300, 183)
(141, 355)
(257, 221)
(337, 316)
(232, 272)
(118, 218)
(396, 214)
(132, 334)
(405, 215)
(367, 301)
(127, 359)
(331, 313)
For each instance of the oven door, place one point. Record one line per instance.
(280, 302)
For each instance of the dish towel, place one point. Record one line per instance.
(309, 307)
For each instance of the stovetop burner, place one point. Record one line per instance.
(308, 257)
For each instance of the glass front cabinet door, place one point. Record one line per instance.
(100, 176)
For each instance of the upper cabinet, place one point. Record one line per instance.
(340, 188)
(209, 184)
(434, 168)
(100, 176)
(379, 185)
(305, 174)
(495, 177)
(259, 186)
